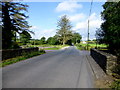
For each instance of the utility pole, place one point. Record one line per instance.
(88, 25)
(88, 36)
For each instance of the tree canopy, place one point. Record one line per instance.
(109, 32)
(64, 29)
(43, 40)
(13, 21)
(76, 38)
(25, 37)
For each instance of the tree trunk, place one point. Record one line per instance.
(6, 30)
(63, 43)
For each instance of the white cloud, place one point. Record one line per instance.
(40, 32)
(43, 32)
(68, 6)
(77, 17)
(48, 33)
(94, 22)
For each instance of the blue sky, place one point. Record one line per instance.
(43, 17)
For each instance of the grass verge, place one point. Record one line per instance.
(116, 84)
(56, 47)
(20, 58)
(116, 74)
(52, 48)
(49, 47)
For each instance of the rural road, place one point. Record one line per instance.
(67, 68)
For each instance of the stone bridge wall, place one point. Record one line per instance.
(106, 61)
(11, 53)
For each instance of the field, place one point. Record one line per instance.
(82, 46)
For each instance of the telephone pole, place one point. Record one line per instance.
(88, 36)
(88, 25)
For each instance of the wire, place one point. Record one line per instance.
(91, 8)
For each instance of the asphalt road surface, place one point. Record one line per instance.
(68, 68)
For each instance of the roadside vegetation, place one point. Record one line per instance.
(47, 46)
(92, 44)
(84, 46)
(20, 58)
(109, 34)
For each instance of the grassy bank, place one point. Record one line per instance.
(20, 58)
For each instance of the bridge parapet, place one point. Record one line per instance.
(105, 60)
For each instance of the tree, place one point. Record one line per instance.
(110, 28)
(56, 40)
(76, 38)
(42, 40)
(25, 37)
(13, 21)
(49, 40)
(53, 40)
(64, 29)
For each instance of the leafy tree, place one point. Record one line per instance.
(110, 28)
(13, 21)
(56, 40)
(25, 37)
(49, 40)
(43, 40)
(53, 40)
(64, 29)
(36, 42)
(76, 38)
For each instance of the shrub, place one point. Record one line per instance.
(116, 71)
(116, 85)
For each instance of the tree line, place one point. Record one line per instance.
(64, 35)
(50, 41)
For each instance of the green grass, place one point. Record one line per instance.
(50, 47)
(55, 47)
(116, 84)
(20, 58)
(84, 46)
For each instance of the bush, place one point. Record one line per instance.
(116, 71)
(116, 85)
(42, 51)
